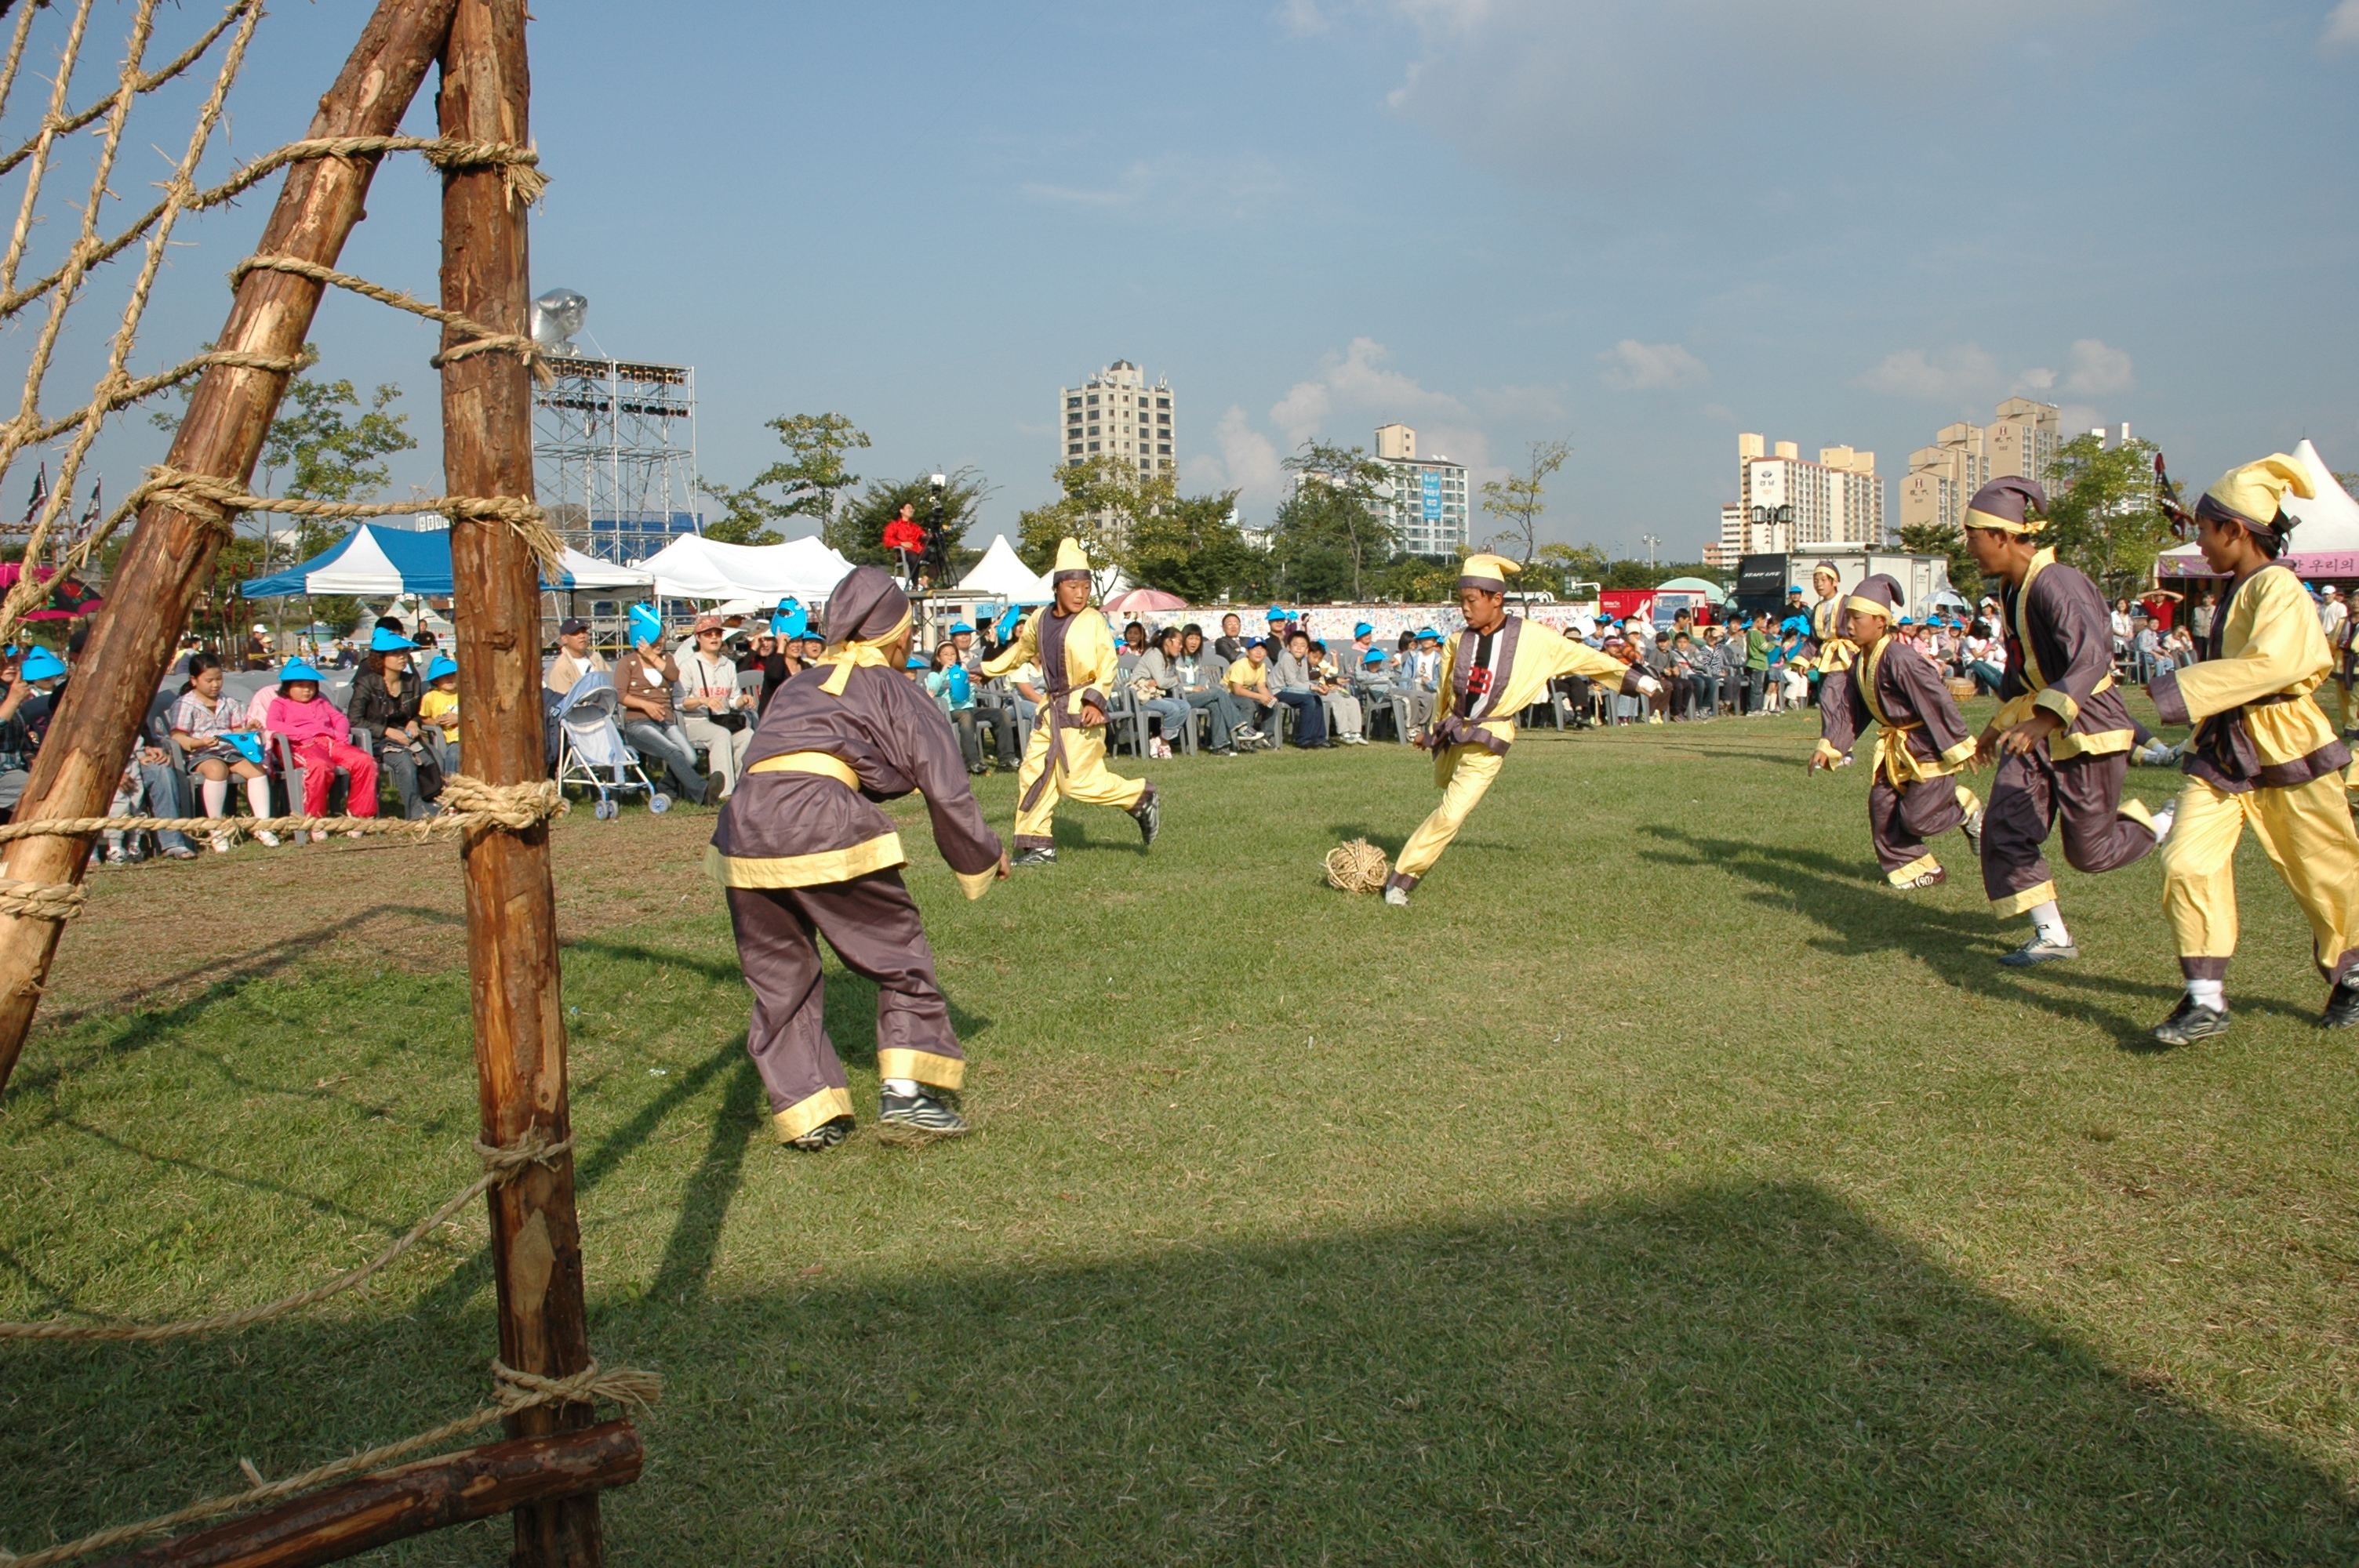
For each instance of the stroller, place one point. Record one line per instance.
(590, 749)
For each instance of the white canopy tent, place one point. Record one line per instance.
(587, 572)
(1000, 575)
(2327, 525)
(692, 566)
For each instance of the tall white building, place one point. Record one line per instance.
(1785, 502)
(1115, 414)
(2022, 438)
(1425, 497)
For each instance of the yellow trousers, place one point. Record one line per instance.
(1464, 773)
(2307, 834)
(1077, 772)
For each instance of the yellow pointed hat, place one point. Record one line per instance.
(1487, 572)
(2252, 497)
(1072, 561)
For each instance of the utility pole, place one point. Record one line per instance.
(1652, 542)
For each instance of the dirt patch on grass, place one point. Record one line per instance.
(165, 929)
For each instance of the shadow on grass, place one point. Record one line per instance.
(1757, 1373)
(1860, 915)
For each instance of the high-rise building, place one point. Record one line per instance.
(1425, 497)
(1787, 503)
(1115, 414)
(2023, 438)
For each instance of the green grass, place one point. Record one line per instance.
(1660, 1188)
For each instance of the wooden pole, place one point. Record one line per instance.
(511, 901)
(346, 1521)
(171, 550)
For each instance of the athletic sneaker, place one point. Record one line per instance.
(2164, 821)
(1396, 897)
(1043, 856)
(826, 1135)
(266, 836)
(1931, 879)
(2038, 949)
(929, 1113)
(1973, 828)
(2190, 1020)
(1244, 732)
(2342, 1006)
(179, 852)
(1148, 815)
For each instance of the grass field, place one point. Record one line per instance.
(1660, 1187)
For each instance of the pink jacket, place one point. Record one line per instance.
(301, 722)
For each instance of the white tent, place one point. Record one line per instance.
(999, 575)
(2328, 523)
(692, 566)
(587, 572)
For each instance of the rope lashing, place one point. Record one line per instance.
(219, 499)
(501, 1165)
(41, 901)
(515, 1392)
(483, 338)
(1356, 867)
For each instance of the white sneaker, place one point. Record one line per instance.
(1397, 898)
(221, 843)
(2164, 821)
(265, 835)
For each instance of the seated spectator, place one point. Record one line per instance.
(953, 686)
(1793, 676)
(202, 723)
(1134, 639)
(1230, 646)
(385, 702)
(17, 742)
(1203, 685)
(1156, 682)
(322, 739)
(643, 683)
(1346, 720)
(1297, 684)
(437, 712)
(575, 658)
(1248, 684)
(1696, 691)
(713, 713)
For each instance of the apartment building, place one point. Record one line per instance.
(2023, 438)
(1116, 414)
(1785, 502)
(1425, 498)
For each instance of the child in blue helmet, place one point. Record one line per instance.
(437, 711)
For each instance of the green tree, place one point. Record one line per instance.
(1102, 502)
(1331, 531)
(1192, 546)
(1949, 543)
(859, 528)
(1519, 499)
(810, 481)
(1557, 568)
(2101, 515)
(1418, 579)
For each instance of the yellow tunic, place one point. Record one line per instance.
(1062, 758)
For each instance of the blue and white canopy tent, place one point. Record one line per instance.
(373, 561)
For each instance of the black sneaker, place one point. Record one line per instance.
(1931, 879)
(929, 1113)
(2190, 1020)
(2342, 1006)
(1973, 828)
(2038, 949)
(826, 1135)
(1148, 815)
(1040, 855)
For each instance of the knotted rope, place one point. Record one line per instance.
(512, 1391)
(41, 901)
(482, 338)
(501, 1165)
(1356, 867)
(219, 499)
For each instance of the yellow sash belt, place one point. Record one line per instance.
(819, 763)
(2015, 711)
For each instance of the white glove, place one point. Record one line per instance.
(1649, 685)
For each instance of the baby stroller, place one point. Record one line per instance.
(590, 749)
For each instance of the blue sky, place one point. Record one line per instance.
(1645, 227)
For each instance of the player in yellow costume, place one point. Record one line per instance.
(2262, 756)
(1066, 756)
(1496, 667)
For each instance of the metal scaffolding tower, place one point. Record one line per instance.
(613, 448)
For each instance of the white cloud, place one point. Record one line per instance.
(1182, 189)
(1632, 366)
(1944, 377)
(2038, 378)
(2342, 26)
(1358, 380)
(2099, 369)
(1248, 462)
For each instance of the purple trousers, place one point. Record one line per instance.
(1899, 821)
(872, 923)
(2029, 795)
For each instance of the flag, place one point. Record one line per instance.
(40, 494)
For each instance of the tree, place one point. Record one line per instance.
(1192, 546)
(1933, 539)
(1102, 502)
(2101, 515)
(1332, 526)
(810, 481)
(1519, 499)
(1558, 566)
(859, 528)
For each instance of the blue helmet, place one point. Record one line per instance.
(1363, 629)
(382, 641)
(298, 670)
(440, 665)
(41, 665)
(646, 626)
(958, 626)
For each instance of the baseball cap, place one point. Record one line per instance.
(572, 626)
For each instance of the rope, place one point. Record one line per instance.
(202, 495)
(1356, 867)
(500, 1165)
(40, 901)
(515, 1392)
(483, 338)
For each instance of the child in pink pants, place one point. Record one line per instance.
(323, 740)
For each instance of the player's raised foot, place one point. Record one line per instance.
(1396, 897)
(1148, 815)
(1039, 855)
(2038, 949)
(1973, 828)
(826, 1135)
(2190, 1020)
(2164, 820)
(928, 1114)
(1931, 879)
(2342, 1006)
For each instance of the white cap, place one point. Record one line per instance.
(260, 630)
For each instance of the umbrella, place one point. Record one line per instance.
(1144, 602)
